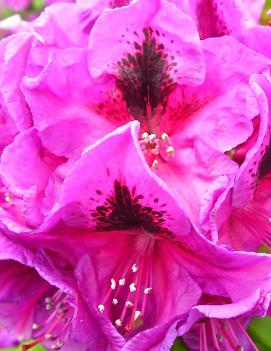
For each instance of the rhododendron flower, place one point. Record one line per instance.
(133, 242)
(184, 119)
(117, 176)
(36, 302)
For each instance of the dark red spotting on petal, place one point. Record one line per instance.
(144, 77)
(123, 210)
(144, 80)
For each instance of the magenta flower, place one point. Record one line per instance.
(184, 120)
(126, 214)
(39, 300)
(125, 160)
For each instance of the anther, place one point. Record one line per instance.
(62, 308)
(219, 338)
(101, 308)
(122, 282)
(137, 315)
(145, 135)
(170, 151)
(155, 164)
(240, 348)
(129, 304)
(115, 301)
(134, 268)
(147, 291)
(50, 337)
(164, 137)
(118, 323)
(48, 306)
(35, 326)
(58, 345)
(7, 197)
(48, 300)
(152, 137)
(113, 284)
(132, 287)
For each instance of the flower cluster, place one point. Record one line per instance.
(135, 176)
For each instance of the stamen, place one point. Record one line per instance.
(57, 323)
(8, 197)
(170, 151)
(152, 137)
(137, 315)
(122, 282)
(35, 326)
(132, 287)
(205, 347)
(58, 345)
(164, 137)
(129, 304)
(155, 147)
(50, 337)
(145, 135)
(134, 268)
(255, 348)
(147, 291)
(113, 284)
(214, 335)
(155, 164)
(220, 338)
(101, 308)
(118, 323)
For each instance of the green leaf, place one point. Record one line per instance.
(265, 19)
(37, 5)
(19, 348)
(259, 331)
(179, 345)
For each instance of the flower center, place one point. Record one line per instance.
(54, 329)
(156, 147)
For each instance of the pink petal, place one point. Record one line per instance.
(112, 39)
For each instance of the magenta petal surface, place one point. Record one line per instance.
(180, 38)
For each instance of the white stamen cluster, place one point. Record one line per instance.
(156, 147)
(134, 288)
